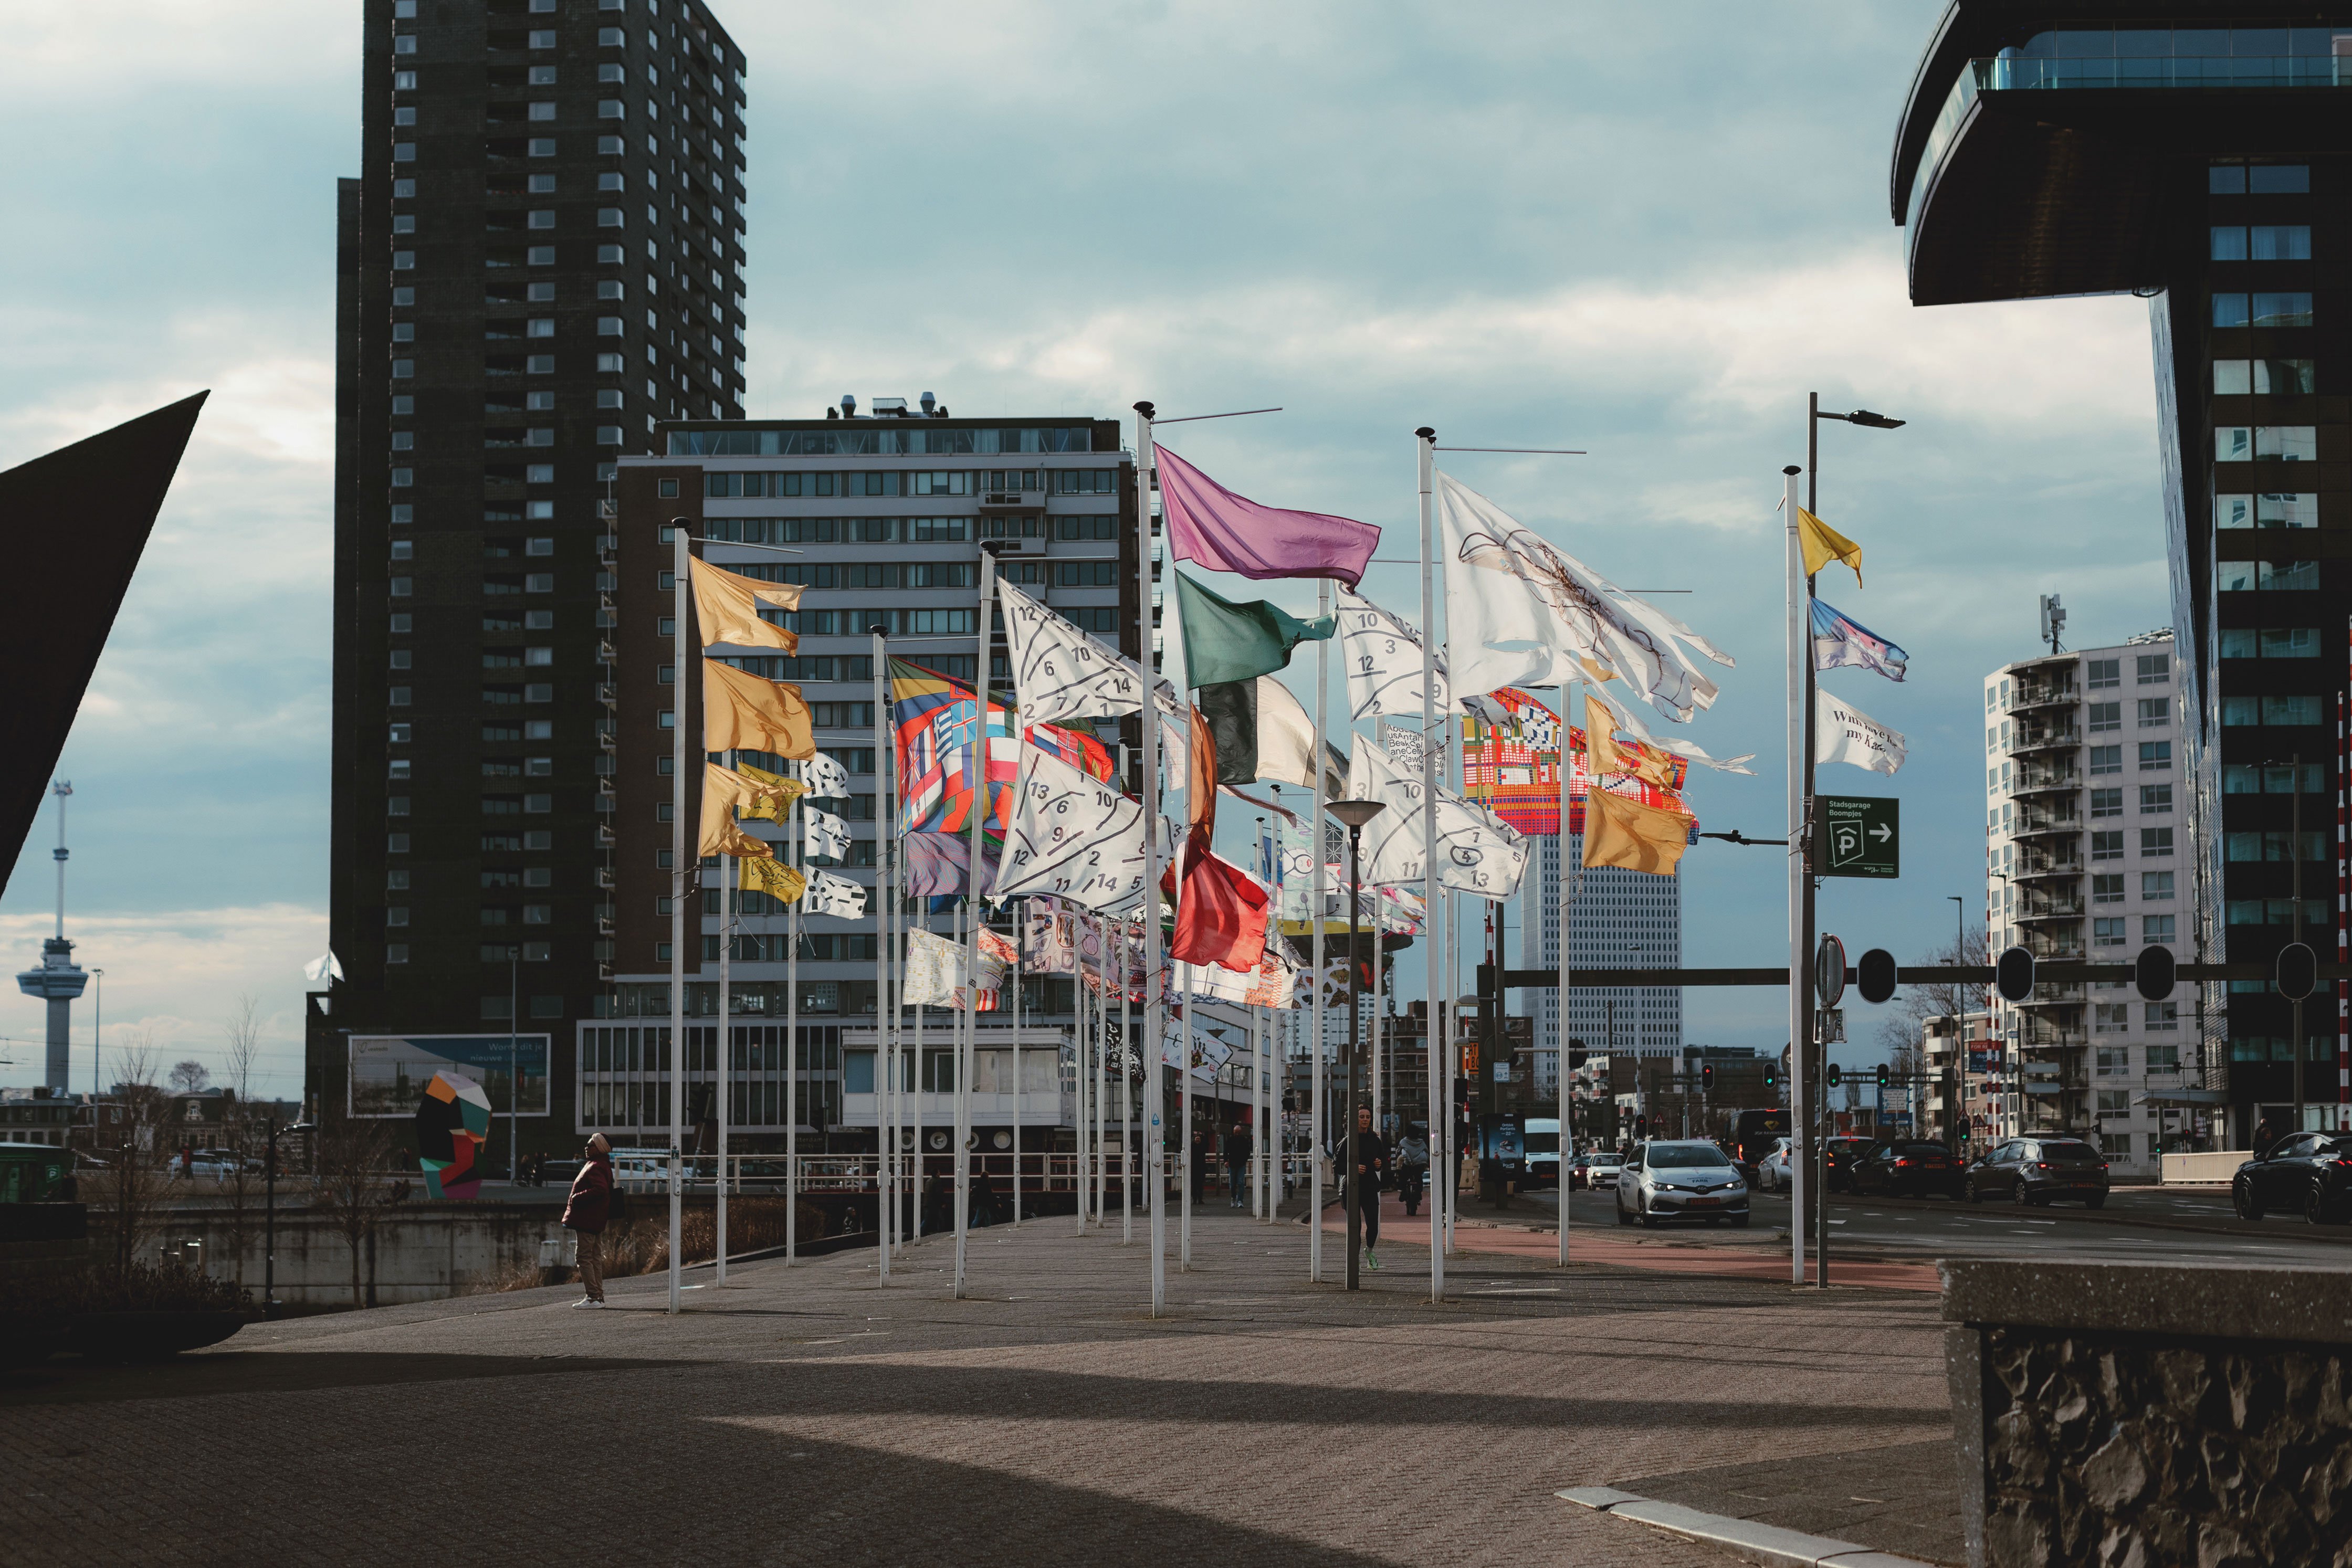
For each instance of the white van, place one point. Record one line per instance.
(1540, 1140)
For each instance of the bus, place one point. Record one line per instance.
(1748, 1135)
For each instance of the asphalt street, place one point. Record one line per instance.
(2149, 1223)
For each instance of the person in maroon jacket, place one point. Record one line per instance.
(584, 1213)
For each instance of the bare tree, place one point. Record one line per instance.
(348, 1182)
(190, 1077)
(1901, 1030)
(135, 1193)
(242, 1185)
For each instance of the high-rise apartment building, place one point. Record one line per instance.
(1621, 920)
(2200, 157)
(2090, 840)
(541, 259)
(882, 516)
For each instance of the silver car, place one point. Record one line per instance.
(1680, 1180)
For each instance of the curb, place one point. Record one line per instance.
(1766, 1543)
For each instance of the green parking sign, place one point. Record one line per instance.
(1857, 835)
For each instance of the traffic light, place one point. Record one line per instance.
(2153, 972)
(1771, 1076)
(2298, 971)
(1834, 1077)
(1641, 1128)
(1877, 974)
(1575, 1054)
(1882, 1075)
(2012, 974)
(1706, 1075)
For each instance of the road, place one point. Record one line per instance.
(2152, 1223)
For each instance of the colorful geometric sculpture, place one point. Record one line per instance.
(453, 1123)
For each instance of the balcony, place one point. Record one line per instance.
(2029, 695)
(2032, 777)
(2032, 738)
(2035, 867)
(2031, 822)
(2051, 904)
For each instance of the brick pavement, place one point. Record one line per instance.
(809, 1416)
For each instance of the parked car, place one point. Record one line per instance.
(2035, 1170)
(1772, 1172)
(1841, 1156)
(203, 1167)
(2310, 1172)
(1598, 1168)
(1906, 1169)
(1680, 1180)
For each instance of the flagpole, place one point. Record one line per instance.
(1078, 1088)
(1155, 996)
(1126, 1080)
(1315, 1110)
(1019, 934)
(1799, 773)
(885, 947)
(1567, 908)
(731, 882)
(1433, 741)
(1101, 1089)
(681, 570)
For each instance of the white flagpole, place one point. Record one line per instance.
(1440, 1046)
(918, 1168)
(1101, 1086)
(685, 681)
(1184, 1111)
(981, 807)
(1020, 940)
(1078, 1091)
(796, 858)
(1380, 1100)
(1567, 905)
(1128, 1138)
(731, 882)
(1315, 931)
(1799, 646)
(886, 948)
(1155, 996)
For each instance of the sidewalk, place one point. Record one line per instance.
(812, 1416)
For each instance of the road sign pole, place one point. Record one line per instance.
(1800, 651)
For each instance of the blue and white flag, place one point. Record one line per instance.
(1839, 641)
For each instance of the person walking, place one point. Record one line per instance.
(1368, 1165)
(586, 1212)
(1412, 1167)
(1200, 1168)
(1237, 1159)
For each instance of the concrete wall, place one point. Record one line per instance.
(420, 1252)
(2139, 1413)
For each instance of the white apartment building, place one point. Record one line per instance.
(1621, 920)
(2090, 855)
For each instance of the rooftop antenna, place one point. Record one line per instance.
(2053, 622)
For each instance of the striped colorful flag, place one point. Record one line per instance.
(931, 718)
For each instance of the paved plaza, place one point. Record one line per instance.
(810, 1415)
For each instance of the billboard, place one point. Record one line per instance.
(388, 1071)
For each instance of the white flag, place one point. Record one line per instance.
(1477, 853)
(830, 895)
(1382, 653)
(827, 779)
(1061, 674)
(1521, 613)
(322, 968)
(934, 972)
(1843, 733)
(1072, 836)
(827, 835)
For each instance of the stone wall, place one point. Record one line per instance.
(2132, 1414)
(418, 1253)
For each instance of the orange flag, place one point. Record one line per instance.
(727, 605)
(754, 714)
(1622, 832)
(1201, 781)
(1611, 757)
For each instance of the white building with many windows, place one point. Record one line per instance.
(2090, 855)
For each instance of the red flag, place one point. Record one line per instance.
(1221, 918)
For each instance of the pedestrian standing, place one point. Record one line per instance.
(586, 1212)
(1237, 1159)
(1367, 1166)
(1412, 1167)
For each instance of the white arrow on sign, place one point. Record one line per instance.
(1882, 833)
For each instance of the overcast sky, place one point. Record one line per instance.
(1646, 231)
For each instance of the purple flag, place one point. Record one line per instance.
(1224, 532)
(939, 865)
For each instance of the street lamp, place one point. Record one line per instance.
(270, 1234)
(1355, 814)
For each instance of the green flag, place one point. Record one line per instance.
(1228, 642)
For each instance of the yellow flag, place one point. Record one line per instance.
(746, 713)
(727, 605)
(773, 793)
(731, 840)
(775, 878)
(1611, 757)
(1823, 544)
(1622, 832)
(723, 791)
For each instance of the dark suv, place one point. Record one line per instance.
(2035, 1170)
(1914, 1168)
(2305, 1173)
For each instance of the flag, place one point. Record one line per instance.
(771, 876)
(1823, 544)
(1530, 723)
(933, 972)
(1049, 938)
(1478, 854)
(1626, 833)
(998, 957)
(939, 865)
(1074, 747)
(723, 790)
(730, 840)
(1201, 778)
(1843, 733)
(1520, 612)
(1220, 916)
(826, 778)
(1382, 653)
(1612, 759)
(772, 793)
(323, 968)
(933, 718)
(831, 894)
(1840, 641)
(727, 607)
(1228, 642)
(1260, 731)
(1060, 672)
(1071, 836)
(827, 835)
(1225, 532)
(748, 712)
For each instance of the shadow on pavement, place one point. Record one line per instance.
(279, 1372)
(1902, 1498)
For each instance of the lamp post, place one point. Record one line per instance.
(1355, 813)
(270, 1231)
